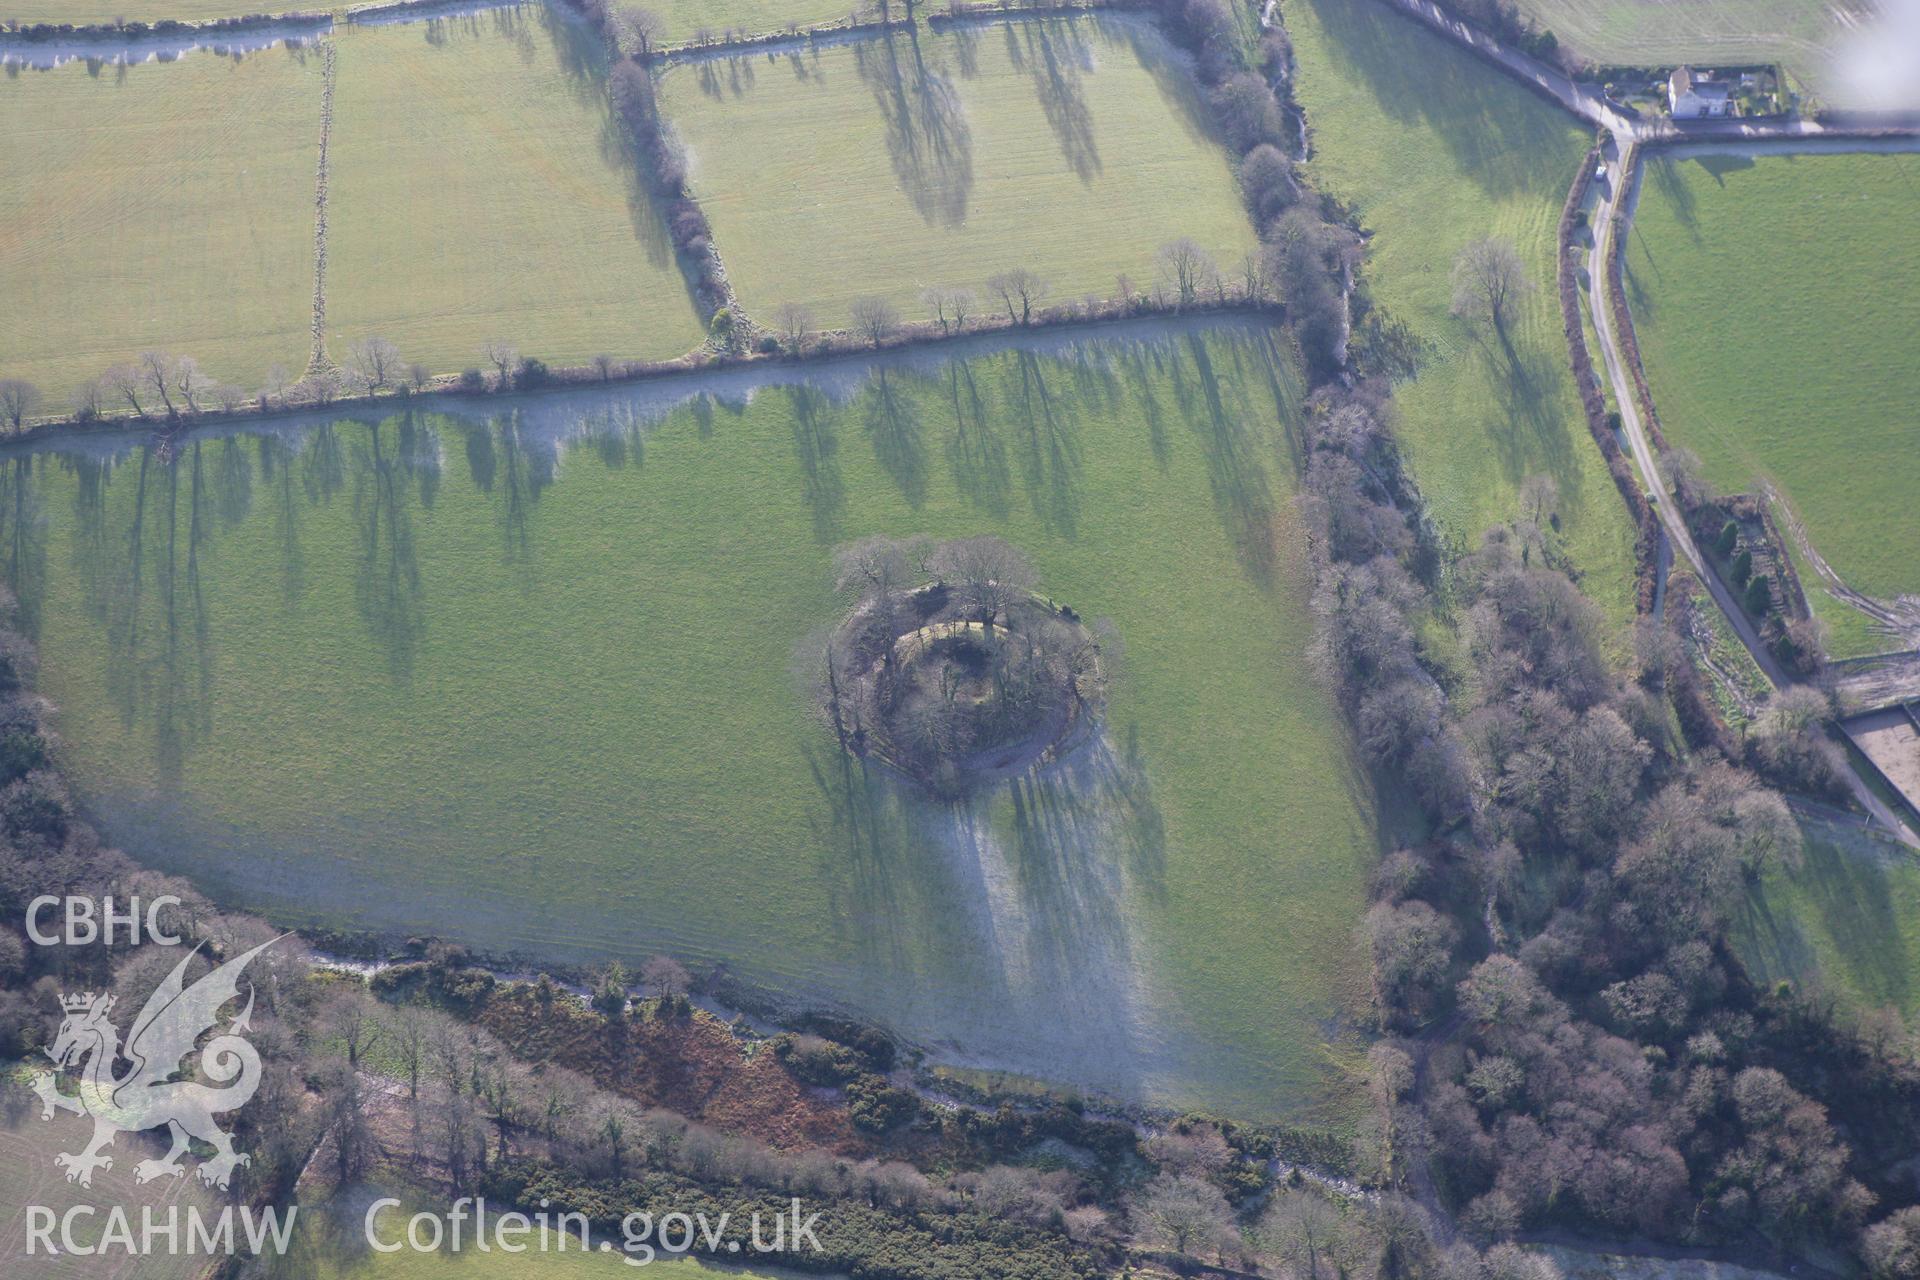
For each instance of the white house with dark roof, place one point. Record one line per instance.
(1692, 94)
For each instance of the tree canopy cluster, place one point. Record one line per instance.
(949, 667)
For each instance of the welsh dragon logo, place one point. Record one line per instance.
(147, 1095)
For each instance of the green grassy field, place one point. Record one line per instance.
(1073, 147)
(157, 206)
(1656, 32)
(1437, 152)
(683, 19)
(435, 677)
(479, 190)
(1849, 920)
(1776, 300)
(85, 12)
(28, 1176)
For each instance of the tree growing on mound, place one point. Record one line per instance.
(949, 668)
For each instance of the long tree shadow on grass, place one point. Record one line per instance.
(1532, 432)
(816, 446)
(1013, 908)
(1170, 68)
(891, 411)
(976, 454)
(386, 579)
(1055, 55)
(928, 138)
(148, 596)
(1236, 450)
(1049, 426)
(1497, 133)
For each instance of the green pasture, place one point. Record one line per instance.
(90, 12)
(1074, 147)
(1776, 299)
(164, 206)
(683, 20)
(1847, 921)
(479, 190)
(28, 1176)
(1653, 33)
(1435, 152)
(442, 674)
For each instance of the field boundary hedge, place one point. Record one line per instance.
(770, 41)
(823, 345)
(320, 20)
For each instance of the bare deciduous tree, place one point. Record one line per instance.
(1297, 1232)
(638, 30)
(17, 399)
(1183, 1213)
(794, 320)
(276, 386)
(323, 388)
(665, 976)
(875, 319)
(86, 400)
(603, 365)
(125, 382)
(1019, 291)
(950, 307)
(190, 382)
(376, 361)
(156, 372)
(1488, 281)
(1188, 268)
(349, 1020)
(503, 357)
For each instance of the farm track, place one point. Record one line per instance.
(1897, 619)
(317, 361)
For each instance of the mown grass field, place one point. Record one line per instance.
(1848, 921)
(479, 190)
(28, 1176)
(1073, 147)
(1436, 152)
(1657, 32)
(158, 206)
(86, 12)
(684, 19)
(435, 677)
(1776, 301)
